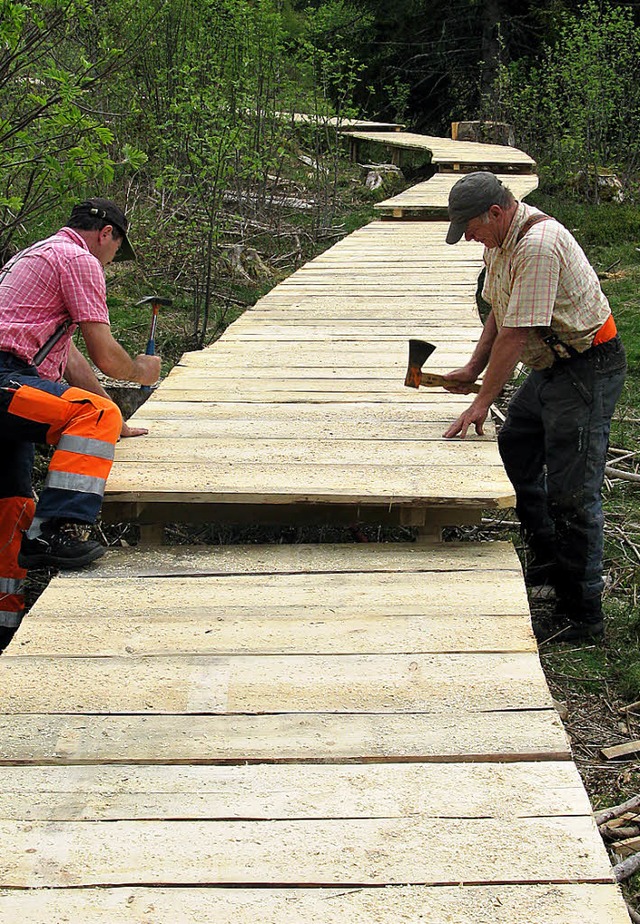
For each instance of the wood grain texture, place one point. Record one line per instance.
(281, 791)
(582, 903)
(166, 739)
(252, 684)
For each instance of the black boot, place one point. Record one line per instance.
(60, 544)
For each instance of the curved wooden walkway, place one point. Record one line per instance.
(327, 734)
(446, 154)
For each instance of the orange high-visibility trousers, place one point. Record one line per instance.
(84, 428)
(16, 514)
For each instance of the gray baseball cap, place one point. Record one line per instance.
(471, 196)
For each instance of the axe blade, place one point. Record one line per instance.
(419, 353)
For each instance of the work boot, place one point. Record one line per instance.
(540, 580)
(61, 544)
(552, 631)
(571, 623)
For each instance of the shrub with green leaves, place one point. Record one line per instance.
(577, 108)
(53, 139)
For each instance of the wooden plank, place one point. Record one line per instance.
(441, 452)
(583, 903)
(273, 684)
(204, 634)
(360, 558)
(486, 486)
(315, 852)
(383, 391)
(273, 792)
(511, 735)
(382, 388)
(194, 422)
(425, 418)
(351, 593)
(345, 367)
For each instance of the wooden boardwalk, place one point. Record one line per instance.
(430, 199)
(341, 733)
(299, 411)
(319, 734)
(447, 154)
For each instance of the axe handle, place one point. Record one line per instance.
(432, 378)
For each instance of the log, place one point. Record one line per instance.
(612, 472)
(631, 805)
(633, 914)
(627, 868)
(622, 833)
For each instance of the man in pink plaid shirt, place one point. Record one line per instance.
(548, 311)
(46, 292)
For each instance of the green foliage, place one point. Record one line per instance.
(52, 141)
(578, 108)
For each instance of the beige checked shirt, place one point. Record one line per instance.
(544, 281)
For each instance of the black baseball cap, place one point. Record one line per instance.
(111, 214)
(472, 195)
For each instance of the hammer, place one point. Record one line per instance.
(419, 353)
(155, 301)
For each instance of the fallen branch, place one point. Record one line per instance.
(630, 707)
(631, 805)
(627, 868)
(612, 472)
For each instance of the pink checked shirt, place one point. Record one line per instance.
(544, 281)
(48, 283)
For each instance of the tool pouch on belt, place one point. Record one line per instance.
(563, 353)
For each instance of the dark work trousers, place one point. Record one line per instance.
(554, 444)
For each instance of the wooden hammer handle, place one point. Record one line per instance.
(432, 378)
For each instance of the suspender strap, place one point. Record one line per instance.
(529, 223)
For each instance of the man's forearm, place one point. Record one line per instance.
(482, 353)
(506, 352)
(80, 374)
(114, 361)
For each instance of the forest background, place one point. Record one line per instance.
(180, 110)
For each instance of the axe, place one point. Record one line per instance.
(419, 353)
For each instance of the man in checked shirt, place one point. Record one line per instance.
(46, 292)
(548, 311)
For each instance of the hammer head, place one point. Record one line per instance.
(419, 353)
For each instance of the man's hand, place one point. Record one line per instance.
(474, 415)
(132, 431)
(146, 369)
(459, 381)
(505, 353)
(114, 361)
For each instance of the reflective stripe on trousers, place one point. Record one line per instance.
(84, 428)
